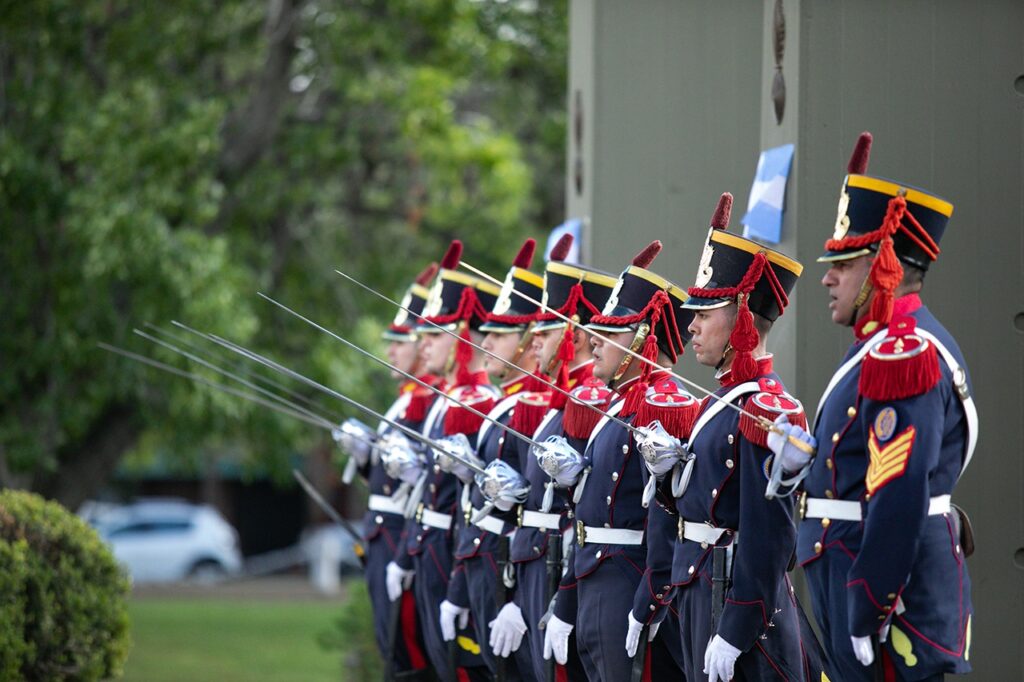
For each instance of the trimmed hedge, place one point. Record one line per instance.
(63, 614)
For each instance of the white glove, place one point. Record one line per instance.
(556, 640)
(397, 580)
(792, 458)
(633, 634)
(863, 650)
(449, 612)
(720, 660)
(507, 630)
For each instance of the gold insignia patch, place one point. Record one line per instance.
(889, 461)
(885, 424)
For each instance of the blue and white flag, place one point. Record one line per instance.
(573, 226)
(763, 220)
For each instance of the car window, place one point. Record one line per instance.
(151, 527)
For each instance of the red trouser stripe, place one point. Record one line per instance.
(416, 657)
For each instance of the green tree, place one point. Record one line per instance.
(165, 161)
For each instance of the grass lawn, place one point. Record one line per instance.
(200, 639)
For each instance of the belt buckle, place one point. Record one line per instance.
(581, 533)
(801, 506)
(419, 513)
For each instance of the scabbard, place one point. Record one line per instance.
(394, 619)
(553, 563)
(636, 672)
(500, 598)
(719, 584)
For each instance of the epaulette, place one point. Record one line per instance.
(769, 403)
(421, 397)
(580, 420)
(459, 419)
(901, 365)
(668, 403)
(529, 411)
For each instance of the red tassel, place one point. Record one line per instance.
(886, 274)
(463, 356)
(744, 340)
(580, 420)
(900, 366)
(529, 412)
(637, 393)
(566, 354)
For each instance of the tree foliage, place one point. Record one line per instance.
(165, 161)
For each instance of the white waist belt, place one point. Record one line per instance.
(532, 519)
(848, 510)
(435, 519)
(489, 523)
(383, 503)
(702, 532)
(608, 536)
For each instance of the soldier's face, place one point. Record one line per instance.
(546, 344)
(403, 355)
(711, 329)
(502, 345)
(844, 280)
(435, 350)
(607, 357)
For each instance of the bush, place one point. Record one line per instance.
(62, 596)
(353, 635)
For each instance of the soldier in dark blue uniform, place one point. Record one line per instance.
(384, 521)
(737, 612)
(482, 574)
(643, 312)
(460, 303)
(544, 519)
(880, 544)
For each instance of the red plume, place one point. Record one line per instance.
(427, 274)
(452, 256)
(859, 159)
(561, 250)
(647, 256)
(524, 259)
(720, 219)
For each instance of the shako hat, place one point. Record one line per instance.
(571, 290)
(457, 297)
(519, 298)
(402, 328)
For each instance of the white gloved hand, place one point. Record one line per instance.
(792, 458)
(397, 580)
(449, 612)
(556, 640)
(507, 630)
(633, 634)
(863, 650)
(720, 660)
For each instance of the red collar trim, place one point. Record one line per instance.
(764, 366)
(901, 307)
(513, 386)
(476, 379)
(580, 373)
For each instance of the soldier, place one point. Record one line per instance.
(562, 350)
(402, 649)
(882, 548)
(738, 615)
(481, 550)
(644, 311)
(458, 302)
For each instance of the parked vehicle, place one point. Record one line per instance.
(167, 540)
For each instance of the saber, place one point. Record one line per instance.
(508, 429)
(208, 365)
(238, 367)
(357, 541)
(415, 435)
(315, 420)
(549, 384)
(762, 422)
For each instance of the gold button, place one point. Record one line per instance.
(958, 549)
(867, 497)
(536, 549)
(729, 464)
(476, 541)
(615, 475)
(887, 608)
(835, 437)
(882, 617)
(378, 518)
(817, 548)
(730, 439)
(828, 463)
(851, 411)
(825, 523)
(625, 449)
(703, 545)
(501, 440)
(714, 493)
(652, 607)
(597, 554)
(608, 500)
(828, 494)
(891, 596)
(433, 488)
(437, 468)
(387, 489)
(419, 538)
(659, 595)
(690, 570)
(607, 525)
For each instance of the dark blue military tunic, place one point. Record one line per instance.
(903, 564)
(726, 492)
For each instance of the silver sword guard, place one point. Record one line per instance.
(559, 460)
(453, 448)
(660, 450)
(398, 457)
(502, 485)
(356, 439)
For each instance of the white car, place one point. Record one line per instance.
(167, 540)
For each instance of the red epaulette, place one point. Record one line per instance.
(669, 404)
(421, 397)
(458, 419)
(580, 420)
(768, 403)
(901, 365)
(529, 411)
